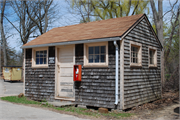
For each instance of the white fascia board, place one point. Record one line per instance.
(73, 42)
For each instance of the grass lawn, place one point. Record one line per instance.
(16, 99)
(72, 109)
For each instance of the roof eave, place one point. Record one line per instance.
(73, 42)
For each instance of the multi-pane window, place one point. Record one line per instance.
(41, 57)
(97, 54)
(134, 54)
(151, 56)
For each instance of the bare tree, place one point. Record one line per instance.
(174, 23)
(38, 12)
(32, 16)
(26, 25)
(158, 21)
(3, 4)
(171, 48)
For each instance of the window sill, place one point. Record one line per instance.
(152, 66)
(136, 65)
(40, 66)
(95, 65)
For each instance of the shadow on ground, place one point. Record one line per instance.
(13, 81)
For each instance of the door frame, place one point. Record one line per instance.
(56, 72)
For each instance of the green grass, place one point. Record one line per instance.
(77, 110)
(118, 115)
(16, 99)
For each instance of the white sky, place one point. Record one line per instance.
(65, 18)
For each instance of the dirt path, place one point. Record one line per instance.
(166, 108)
(166, 113)
(169, 113)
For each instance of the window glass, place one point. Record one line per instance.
(37, 53)
(37, 61)
(151, 57)
(90, 58)
(41, 53)
(97, 50)
(103, 58)
(45, 53)
(134, 54)
(103, 49)
(44, 60)
(96, 58)
(41, 60)
(41, 57)
(90, 50)
(97, 54)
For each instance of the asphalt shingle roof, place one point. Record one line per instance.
(92, 30)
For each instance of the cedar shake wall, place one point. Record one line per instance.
(37, 88)
(141, 85)
(97, 87)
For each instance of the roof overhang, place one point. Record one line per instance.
(73, 42)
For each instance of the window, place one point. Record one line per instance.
(152, 57)
(96, 54)
(136, 54)
(40, 57)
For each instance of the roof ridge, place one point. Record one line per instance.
(100, 20)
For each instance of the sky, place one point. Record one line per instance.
(65, 18)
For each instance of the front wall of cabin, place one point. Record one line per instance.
(97, 87)
(36, 87)
(141, 85)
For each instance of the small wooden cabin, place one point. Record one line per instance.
(119, 58)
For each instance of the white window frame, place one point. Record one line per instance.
(86, 52)
(34, 58)
(139, 45)
(155, 56)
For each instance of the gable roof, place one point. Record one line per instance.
(115, 27)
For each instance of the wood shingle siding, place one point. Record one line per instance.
(97, 87)
(141, 85)
(38, 88)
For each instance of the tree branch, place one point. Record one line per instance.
(172, 7)
(12, 24)
(135, 8)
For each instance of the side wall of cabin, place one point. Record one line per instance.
(141, 85)
(36, 87)
(97, 87)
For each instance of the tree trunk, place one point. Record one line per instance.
(179, 52)
(0, 47)
(160, 36)
(158, 20)
(2, 33)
